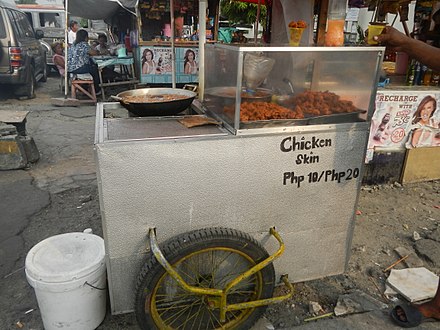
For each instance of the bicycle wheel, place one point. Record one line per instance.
(207, 258)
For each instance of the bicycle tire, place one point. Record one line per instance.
(216, 248)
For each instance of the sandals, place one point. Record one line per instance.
(407, 317)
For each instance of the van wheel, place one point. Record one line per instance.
(28, 89)
(46, 69)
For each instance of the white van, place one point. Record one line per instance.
(51, 20)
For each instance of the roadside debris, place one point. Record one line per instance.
(414, 284)
(395, 263)
(357, 302)
(315, 308)
(318, 317)
(416, 236)
(19, 325)
(413, 261)
(85, 198)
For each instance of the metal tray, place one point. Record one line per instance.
(316, 120)
(229, 93)
(336, 118)
(273, 123)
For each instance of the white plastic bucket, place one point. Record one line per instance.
(68, 275)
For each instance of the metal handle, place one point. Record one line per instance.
(117, 98)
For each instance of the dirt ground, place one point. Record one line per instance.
(388, 216)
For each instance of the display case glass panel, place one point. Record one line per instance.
(253, 87)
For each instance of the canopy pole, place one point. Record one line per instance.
(203, 5)
(257, 21)
(173, 57)
(66, 47)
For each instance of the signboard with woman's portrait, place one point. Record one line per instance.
(405, 119)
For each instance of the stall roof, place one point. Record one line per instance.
(98, 9)
(263, 2)
(102, 9)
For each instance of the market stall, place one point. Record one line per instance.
(168, 41)
(405, 132)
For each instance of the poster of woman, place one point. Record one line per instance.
(405, 119)
(190, 65)
(425, 128)
(148, 63)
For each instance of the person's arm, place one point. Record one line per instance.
(93, 52)
(187, 69)
(416, 137)
(424, 53)
(59, 61)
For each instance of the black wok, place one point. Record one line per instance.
(164, 108)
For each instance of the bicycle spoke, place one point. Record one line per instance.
(177, 315)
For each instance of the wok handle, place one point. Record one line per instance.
(117, 98)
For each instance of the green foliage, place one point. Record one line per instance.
(241, 12)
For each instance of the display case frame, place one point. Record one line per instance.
(352, 72)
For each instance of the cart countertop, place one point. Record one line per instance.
(137, 128)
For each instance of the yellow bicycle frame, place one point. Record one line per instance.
(221, 294)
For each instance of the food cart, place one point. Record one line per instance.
(245, 188)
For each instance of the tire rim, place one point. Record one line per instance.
(174, 308)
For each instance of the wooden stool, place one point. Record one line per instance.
(84, 86)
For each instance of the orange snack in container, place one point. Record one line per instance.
(296, 29)
(335, 33)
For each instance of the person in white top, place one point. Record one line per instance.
(102, 48)
(71, 36)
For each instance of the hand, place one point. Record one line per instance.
(392, 38)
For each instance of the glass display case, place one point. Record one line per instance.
(250, 87)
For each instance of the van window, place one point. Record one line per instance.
(20, 24)
(29, 16)
(14, 23)
(25, 26)
(2, 27)
(50, 20)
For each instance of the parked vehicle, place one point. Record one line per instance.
(51, 20)
(22, 56)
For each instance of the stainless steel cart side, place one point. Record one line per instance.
(304, 180)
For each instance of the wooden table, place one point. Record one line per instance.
(126, 68)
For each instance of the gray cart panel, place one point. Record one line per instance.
(247, 183)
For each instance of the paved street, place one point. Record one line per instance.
(58, 194)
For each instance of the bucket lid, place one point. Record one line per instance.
(65, 257)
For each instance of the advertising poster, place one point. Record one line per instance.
(156, 65)
(164, 58)
(190, 61)
(405, 119)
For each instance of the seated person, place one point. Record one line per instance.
(102, 48)
(58, 57)
(108, 73)
(78, 59)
